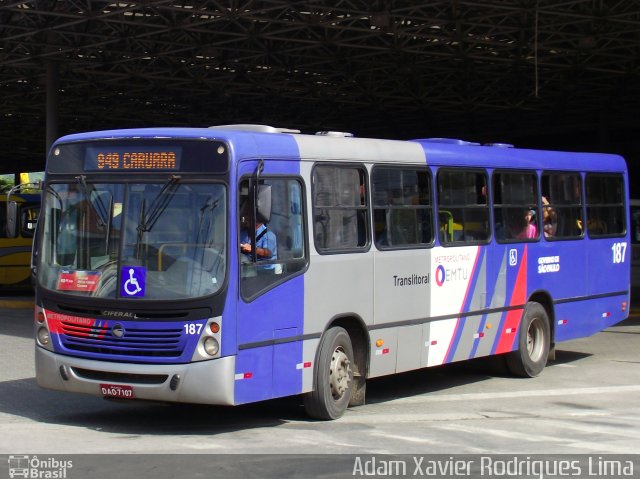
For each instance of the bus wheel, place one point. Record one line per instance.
(533, 343)
(333, 377)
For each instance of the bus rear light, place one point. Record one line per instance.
(214, 328)
(211, 346)
(379, 342)
(43, 336)
(40, 317)
(624, 306)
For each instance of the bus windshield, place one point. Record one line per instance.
(145, 241)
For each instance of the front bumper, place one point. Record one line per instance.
(204, 382)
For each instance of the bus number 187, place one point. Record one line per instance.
(619, 250)
(192, 328)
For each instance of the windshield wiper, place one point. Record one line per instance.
(100, 209)
(210, 205)
(156, 208)
(159, 204)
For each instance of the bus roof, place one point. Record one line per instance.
(508, 157)
(276, 143)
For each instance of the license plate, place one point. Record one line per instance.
(117, 391)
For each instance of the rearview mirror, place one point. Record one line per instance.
(12, 219)
(263, 207)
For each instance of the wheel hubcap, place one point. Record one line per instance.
(339, 373)
(535, 341)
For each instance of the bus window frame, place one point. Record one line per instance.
(624, 205)
(367, 207)
(580, 174)
(537, 197)
(488, 195)
(431, 206)
(305, 235)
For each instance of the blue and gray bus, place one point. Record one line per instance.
(372, 257)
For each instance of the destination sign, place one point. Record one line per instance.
(130, 158)
(123, 156)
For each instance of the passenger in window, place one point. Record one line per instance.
(530, 230)
(522, 224)
(266, 244)
(549, 219)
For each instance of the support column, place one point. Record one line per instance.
(53, 82)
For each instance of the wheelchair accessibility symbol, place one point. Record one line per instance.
(132, 281)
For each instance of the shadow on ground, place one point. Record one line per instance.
(25, 398)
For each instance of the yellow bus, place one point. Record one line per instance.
(15, 249)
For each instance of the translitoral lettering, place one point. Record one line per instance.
(413, 280)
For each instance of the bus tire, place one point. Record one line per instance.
(332, 378)
(534, 341)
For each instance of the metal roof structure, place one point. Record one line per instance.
(492, 70)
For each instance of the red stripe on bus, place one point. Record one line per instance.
(518, 296)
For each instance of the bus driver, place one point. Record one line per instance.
(266, 245)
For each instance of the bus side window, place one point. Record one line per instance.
(605, 205)
(286, 233)
(402, 207)
(340, 208)
(562, 206)
(462, 194)
(515, 206)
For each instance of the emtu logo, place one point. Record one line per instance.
(440, 275)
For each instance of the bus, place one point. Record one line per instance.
(16, 245)
(372, 257)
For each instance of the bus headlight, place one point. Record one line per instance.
(43, 336)
(210, 340)
(211, 346)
